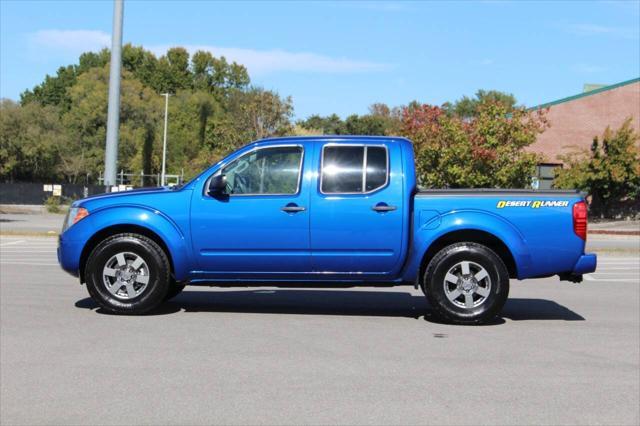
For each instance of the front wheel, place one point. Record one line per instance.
(466, 283)
(174, 290)
(128, 274)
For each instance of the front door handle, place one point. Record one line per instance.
(383, 207)
(292, 208)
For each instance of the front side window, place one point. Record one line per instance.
(353, 169)
(265, 171)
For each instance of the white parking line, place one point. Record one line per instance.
(29, 263)
(27, 259)
(598, 273)
(28, 251)
(11, 243)
(590, 277)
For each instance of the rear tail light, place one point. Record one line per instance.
(580, 219)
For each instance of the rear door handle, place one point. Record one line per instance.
(383, 207)
(292, 208)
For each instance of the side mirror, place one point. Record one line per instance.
(218, 185)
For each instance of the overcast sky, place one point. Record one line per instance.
(341, 57)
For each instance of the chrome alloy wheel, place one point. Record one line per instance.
(125, 275)
(467, 284)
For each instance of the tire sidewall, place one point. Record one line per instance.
(485, 257)
(156, 289)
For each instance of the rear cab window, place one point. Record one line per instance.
(353, 169)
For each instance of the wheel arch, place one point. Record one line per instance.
(102, 234)
(473, 236)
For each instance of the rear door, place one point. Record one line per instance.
(356, 209)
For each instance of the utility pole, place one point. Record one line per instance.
(113, 114)
(164, 143)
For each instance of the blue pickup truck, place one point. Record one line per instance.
(324, 212)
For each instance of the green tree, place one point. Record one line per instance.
(372, 125)
(30, 140)
(468, 107)
(487, 151)
(212, 111)
(609, 171)
(260, 113)
(53, 90)
(140, 116)
(330, 125)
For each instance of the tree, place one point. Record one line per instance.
(53, 91)
(30, 138)
(260, 113)
(372, 125)
(380, 121)
(468, 108)
(487, 151)
(213, 111)
(140, 116)
(609, 171)
(330, 125)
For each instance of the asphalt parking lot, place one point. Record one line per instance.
(561, 354)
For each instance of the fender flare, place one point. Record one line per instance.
(153, 221)
(468, 220)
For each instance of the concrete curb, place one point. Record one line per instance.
(611, 232)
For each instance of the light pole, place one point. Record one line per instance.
(113, 112)
(164, 143)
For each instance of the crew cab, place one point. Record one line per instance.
(323, 211)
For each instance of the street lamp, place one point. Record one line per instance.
(164, 143)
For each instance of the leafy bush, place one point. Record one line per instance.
(484, 151)
(609, 171)
(56, 204)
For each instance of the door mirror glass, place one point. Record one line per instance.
(218, 185)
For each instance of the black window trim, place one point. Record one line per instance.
(364, 168)
(251, 151)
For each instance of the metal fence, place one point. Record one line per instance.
(141, 179)
(37, 193)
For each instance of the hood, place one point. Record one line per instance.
(121, 195)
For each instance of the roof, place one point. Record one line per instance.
(585, 94)
(335, 138)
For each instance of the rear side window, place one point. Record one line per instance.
(353, 169)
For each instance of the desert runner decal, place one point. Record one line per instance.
(532, 204)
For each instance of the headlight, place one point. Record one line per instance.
(74, 215)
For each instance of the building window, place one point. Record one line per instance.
(545, 173)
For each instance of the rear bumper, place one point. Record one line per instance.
(586, 263)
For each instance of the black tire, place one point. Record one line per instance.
(174, 290)
(156, 267)
(439, 289)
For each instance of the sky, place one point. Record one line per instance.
(340, 57)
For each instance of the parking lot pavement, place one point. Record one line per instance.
(561, 354)
(33, 222)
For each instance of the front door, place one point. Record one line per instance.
(357, 209)
(261, 225)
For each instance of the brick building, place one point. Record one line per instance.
(576, 120)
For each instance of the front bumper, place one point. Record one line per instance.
(69, 253)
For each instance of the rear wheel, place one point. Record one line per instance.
(128, 273)
(466, 283)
